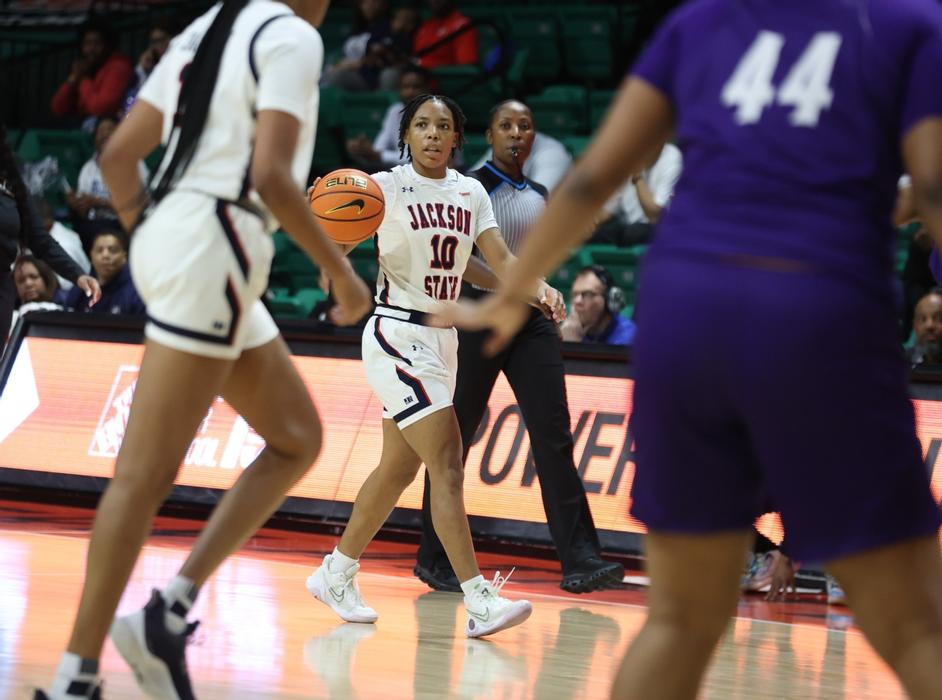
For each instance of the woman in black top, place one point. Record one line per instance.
(21, 227)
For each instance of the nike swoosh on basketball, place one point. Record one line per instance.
(352, 203)
(333, 595)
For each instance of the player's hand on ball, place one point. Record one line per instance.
(352, 295)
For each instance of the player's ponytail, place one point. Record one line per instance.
(199, 80)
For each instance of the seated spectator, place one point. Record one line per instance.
(445, 20)
(595, 317)
(67, 239)
(91, 202)
(99, 78)
(917, 279)
(36, 282)
(392, 54)
(161, 32)
(21, 229)
(358, 69)
(630, 215)
(548, 162)
(110, 266)
(383, 152)
(927, 323)
(36, 287)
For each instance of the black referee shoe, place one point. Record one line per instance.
(592, 574)
(440, 578)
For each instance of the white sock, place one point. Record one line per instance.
(73, 668)
(180, 594)
(472, 583)
(340, 561)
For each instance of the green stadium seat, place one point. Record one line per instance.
(71, 148)
(622, 263)
(475, 145)
(576, 144)
(537, 30)
(560, 110)
(363, 112)
(628, 15)
(475, 99)
(329, 150)
(587, 34)
(563, 277)
(308, 298)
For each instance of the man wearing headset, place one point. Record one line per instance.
(596, 302)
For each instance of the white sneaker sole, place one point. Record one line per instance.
(518, 612)
(127, 634)
(316, 587)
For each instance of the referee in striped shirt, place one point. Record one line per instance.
(533, 365)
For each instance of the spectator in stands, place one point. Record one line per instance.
(394, 53)
(68, 239)
(36, 287)
(161, 32)
(359, 67)
(462, 50)
(22, 230)
(630, 215)
(927, 322)
(99, 78)
(110, 266)
(91, 202)
(595, 317)
(916, 278)
(548, 162)
(383, 152)
(35, 281)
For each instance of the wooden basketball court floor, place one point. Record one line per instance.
(262, 636)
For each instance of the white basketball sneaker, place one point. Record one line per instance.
(338, 590)
(488, 612)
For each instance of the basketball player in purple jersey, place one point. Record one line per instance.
(795, 119)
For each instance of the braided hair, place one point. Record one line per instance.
(11, 178)
(409, 111)
(195, 95)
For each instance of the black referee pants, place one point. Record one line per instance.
(533, 365)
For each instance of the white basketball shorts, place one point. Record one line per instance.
(410, 367)
(201, 264)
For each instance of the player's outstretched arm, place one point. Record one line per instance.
(539, 293)
(922, 151)
(276, 138)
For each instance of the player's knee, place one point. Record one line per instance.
(298, 440)
(403, 474)
(448, 473)
(143, 484)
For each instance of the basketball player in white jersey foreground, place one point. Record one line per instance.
(200, 256)
(434, 217)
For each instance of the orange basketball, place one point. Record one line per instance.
(348, 204)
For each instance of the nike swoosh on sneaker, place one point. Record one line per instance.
(333, 595)
(478, 616)
(359, 203)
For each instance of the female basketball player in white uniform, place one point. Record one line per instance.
(235, 99)
(434, 217)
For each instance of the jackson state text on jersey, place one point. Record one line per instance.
(427, 235)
